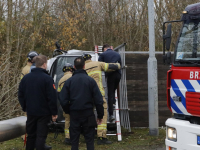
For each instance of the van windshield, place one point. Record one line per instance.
(188, 48)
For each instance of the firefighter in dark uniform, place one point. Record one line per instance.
(68, 69)
(78, 96)
(37, 97)
(30, 57)
(113, 78)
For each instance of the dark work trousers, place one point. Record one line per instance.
(78, 124)
(112, 83)
(37, 130)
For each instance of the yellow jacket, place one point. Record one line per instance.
(94, 69)
(26, 70)
(66, 76)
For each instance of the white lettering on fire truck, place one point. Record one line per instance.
(194, 75)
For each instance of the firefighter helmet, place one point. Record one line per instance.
(68, 67)
(31, 55)
(87, 56)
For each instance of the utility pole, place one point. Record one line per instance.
(152, 75)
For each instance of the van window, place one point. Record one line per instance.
(58, 66)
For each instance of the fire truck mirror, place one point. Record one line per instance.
(168, 36)
(168, 58)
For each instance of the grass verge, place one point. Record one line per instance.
(138, 139)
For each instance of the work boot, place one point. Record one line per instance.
(67, 141)
(111, 118)
(47, 147)
(103, 141)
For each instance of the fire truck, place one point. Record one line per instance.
(183, 82)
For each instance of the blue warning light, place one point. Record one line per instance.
(198, 139)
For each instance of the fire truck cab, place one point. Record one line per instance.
(183, 82)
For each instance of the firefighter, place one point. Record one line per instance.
(30, 57)
(94, 70)
(40, 102)
(78, 97)
(68, 69)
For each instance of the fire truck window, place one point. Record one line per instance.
(189, 42)
(198, 40)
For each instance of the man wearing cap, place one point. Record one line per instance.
(94, 70)
(68, 69)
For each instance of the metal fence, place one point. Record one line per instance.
(123, 100)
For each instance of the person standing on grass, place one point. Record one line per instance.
(37, 97)
(78, 97)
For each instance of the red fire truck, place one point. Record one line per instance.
(183, 82)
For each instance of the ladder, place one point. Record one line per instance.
(117, 120)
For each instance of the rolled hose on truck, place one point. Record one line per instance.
(12, 128)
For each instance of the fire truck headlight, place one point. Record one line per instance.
(171, 134)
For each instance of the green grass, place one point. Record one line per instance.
(138, 139)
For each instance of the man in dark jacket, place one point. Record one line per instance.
(37, 97)
(113, 78)
(78, 96)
